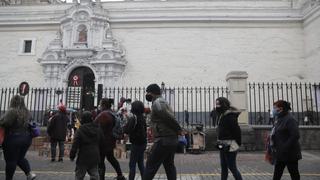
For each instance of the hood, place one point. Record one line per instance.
(89, 132)
(232, 110)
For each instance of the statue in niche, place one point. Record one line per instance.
(83, 35)
(59, 34)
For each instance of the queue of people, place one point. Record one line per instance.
(94, 140)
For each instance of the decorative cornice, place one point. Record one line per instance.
(157, 11)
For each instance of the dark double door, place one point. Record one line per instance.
(82, 78)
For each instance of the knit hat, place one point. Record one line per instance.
(62, 108)
(153, 88)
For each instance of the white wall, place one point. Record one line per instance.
(16, 68)
(203, 56)
(185, 46)
(312, 47)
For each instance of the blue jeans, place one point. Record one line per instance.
(15, 147)
(136, 157)
(54, 147)
(228, 161)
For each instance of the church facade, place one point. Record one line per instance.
(134, 43)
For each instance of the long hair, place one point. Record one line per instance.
(17, 104)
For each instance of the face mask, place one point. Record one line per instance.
(275, 112)
(149, 97)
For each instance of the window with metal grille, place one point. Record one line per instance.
(27, 46)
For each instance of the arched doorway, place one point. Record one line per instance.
(82, 78)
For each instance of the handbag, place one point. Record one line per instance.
(222, 146)
(34, 130)
(2, 134)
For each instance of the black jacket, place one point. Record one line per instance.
(228, 127)
(57, 127)
(286, 139)
(86, 143)
(137, 130)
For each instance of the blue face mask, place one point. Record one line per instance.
(275, 112)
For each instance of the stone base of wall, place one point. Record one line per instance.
(254, 138)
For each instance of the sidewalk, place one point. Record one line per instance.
(189, 167)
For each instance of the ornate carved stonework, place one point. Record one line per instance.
(84, 39)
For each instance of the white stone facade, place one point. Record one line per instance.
(181, 43)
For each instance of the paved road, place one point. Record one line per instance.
(189, 167)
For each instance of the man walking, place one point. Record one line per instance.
(57, 130)
(166, 130)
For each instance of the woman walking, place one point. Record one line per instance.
(286, 141)
(137, 130)
(229, 137)
(17, 138)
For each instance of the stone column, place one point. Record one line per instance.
(237, 86)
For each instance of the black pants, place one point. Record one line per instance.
(136, 157)
(112, 160)
(53, 145)
(15, 147)
(228, 161)
(292, 168)
(161, 153)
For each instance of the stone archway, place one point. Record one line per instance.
(82, 79)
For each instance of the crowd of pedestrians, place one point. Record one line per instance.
(94, 141)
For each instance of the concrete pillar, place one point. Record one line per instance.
(237, 94)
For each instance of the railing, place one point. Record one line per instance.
(304, 99)
(197, 102)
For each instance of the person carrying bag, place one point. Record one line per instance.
(229, 137)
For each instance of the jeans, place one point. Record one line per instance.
(54, 148)
(228, 161)
(112, 160)
(162, 153)
(292, 168)
(15, 147)
(82, 170)
(136, 156)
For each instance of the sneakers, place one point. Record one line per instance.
(31, 176)
(60, 160)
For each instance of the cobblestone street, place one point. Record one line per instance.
(189, 167)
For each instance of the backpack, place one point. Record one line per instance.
(117, 130)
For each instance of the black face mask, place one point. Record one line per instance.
(149, 97)
(219, 109)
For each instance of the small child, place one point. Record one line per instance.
(87, 140)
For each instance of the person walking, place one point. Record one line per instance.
(285, 141)
(166, 130)
(229, 137)
(107, 121)
(186, 117)
(86, 145)
(17, 138)
(213, 116)
(57, 131)
(136, 128)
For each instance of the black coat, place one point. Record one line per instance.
(86, 144)
(228, 127)
(286, 139)
(137, 130)
(57, 127)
